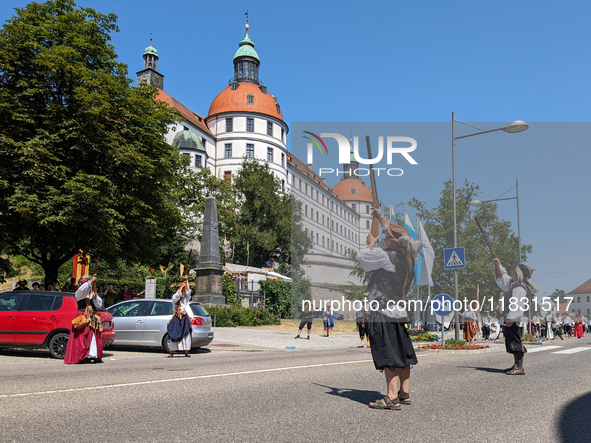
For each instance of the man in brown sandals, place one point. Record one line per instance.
(391, 347)
(518, 290)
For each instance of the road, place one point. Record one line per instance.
(295, 396)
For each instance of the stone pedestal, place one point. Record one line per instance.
(209, 270)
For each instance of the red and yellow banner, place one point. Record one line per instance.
(81, 266)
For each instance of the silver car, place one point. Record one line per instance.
(143, 322)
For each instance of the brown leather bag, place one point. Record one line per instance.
(83, 320)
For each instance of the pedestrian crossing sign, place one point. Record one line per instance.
(454, 258)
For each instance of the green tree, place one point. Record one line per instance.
(560, 294)
(479, 269)
(84, 161)
(262, 233)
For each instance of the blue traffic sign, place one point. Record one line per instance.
(454, 258)
(442, 305)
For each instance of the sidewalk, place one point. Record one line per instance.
(243, 339)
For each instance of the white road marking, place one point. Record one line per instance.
(118, 385)
(542, 348)
(572, 350)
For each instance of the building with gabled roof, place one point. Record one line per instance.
(581, 295)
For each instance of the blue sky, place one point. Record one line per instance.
(490, 62)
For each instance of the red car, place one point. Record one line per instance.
(42, 319)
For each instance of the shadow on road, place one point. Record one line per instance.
(477, 368)
(573, 423)
(363, 397)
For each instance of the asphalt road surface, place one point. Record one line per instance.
(295, 396)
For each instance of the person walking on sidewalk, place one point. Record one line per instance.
(307, 318)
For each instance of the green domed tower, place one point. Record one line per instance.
(149, 74)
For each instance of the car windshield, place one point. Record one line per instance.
(198, 310)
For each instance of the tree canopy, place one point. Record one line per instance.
(84, 158)
(262, 233)
(479, 269)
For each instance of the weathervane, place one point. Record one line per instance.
(246, 14)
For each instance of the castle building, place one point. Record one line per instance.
(245, 121)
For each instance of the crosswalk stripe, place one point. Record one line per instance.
(542, 348)
(572, 350)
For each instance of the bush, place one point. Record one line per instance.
(228, 316)
(229, 290)
(277, 297)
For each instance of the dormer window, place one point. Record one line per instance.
(250, 99)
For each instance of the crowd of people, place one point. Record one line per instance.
(107, 293)
(550, 326)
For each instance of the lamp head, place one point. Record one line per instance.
(475, 203)
(516, 126)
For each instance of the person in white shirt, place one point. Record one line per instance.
(179, 326)
(518, 290)
(86, 344)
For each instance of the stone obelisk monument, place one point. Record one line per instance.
(209, 270)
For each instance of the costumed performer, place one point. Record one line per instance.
(391, 347)
(86, 344)
(518, 290)
(179, 326)
(470, 319)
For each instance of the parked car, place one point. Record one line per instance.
(41, 319)
(143, 322)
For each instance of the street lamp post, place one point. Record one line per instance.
(516, 126)
(479, 202)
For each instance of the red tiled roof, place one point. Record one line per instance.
(304, 169)
(344, 190)
(237, 101)
(585, 288)
(192, 117)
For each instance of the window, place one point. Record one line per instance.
(10, 301)
(588, 299)
(353, 191)
(317, 243)
(229, 125)
(322, 219)
(282, 133)
(161, 308)
(188, 156)
(323, 241)
(283, 160)
(228, 151)
(198, 161)
(367, 209)
(578, 299)
(270, 129)
(250, 125)
(283, 189)
(588, 311)
(270, 154)
(312, 213)
(40, 303)
(316, 216)
(250, 99)
(367, 224)
(228, 177)
(306, 210)
(332, 225)
(354, 207)
(249, 151)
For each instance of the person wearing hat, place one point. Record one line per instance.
(518, 291)
(86, 344)
(391, 347)
(486, 320)
(21, 285)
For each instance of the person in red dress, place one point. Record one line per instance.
(579, 333)
(86, 344)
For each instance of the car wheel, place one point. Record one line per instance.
(58, 344)
(165, 344)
